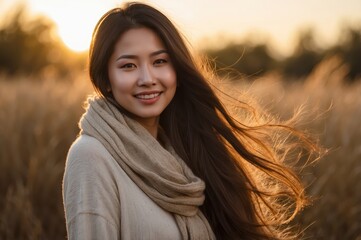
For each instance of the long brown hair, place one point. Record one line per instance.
(250, 192)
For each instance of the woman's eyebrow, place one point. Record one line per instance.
(158, 52)
(131, 56)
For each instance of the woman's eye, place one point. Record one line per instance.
(160, 61)
(128, 66)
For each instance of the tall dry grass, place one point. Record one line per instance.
(38, 122)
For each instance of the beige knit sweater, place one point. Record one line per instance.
(102, 202)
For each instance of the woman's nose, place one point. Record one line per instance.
(146, 77)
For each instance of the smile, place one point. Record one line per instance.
(147, 96)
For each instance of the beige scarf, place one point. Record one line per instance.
(157, 170)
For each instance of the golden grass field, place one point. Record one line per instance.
(38, 122)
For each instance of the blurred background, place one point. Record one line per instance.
(285, 54)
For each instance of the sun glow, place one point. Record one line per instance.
(75, 27)
(75, 20)
(77, 38)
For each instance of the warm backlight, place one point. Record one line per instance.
(75, 38)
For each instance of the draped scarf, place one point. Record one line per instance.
(157, 170)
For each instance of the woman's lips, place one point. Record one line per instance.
(148, 97)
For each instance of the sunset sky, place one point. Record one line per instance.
(212, 21)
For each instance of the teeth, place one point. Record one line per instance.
(148, 96)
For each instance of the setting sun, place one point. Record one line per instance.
(75, 20)
(76, 35)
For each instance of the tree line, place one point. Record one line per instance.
(253, 60)
(31, 47)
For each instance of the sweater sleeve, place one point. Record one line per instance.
(90, 192)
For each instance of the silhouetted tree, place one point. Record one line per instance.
(25, 46)
(353, 52)
(305, 57)
(349, 49)
(31, 46)
(242, 58)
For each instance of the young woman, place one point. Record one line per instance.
(159, 156)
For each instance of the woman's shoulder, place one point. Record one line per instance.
(88, 147)
(85, 142)
(89, 164)
(88, 153)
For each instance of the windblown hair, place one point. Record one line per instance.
(251, 191)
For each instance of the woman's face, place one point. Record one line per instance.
(142, 78)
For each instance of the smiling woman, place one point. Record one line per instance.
(160, 157)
